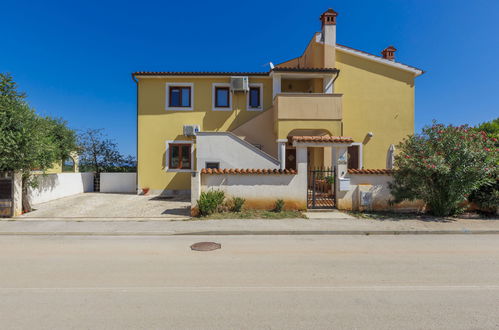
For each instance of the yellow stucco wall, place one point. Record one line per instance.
(157, 125)
(376, 98)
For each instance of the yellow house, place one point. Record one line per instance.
(248, 120)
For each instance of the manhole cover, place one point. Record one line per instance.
(205, 246)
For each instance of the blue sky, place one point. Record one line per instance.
(74, 58)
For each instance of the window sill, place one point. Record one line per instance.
(221, 109)
(180, 109)
(178, 170)
(253, 109)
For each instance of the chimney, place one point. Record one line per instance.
(389, 53)
(328, 37)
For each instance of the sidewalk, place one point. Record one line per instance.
(247, 227)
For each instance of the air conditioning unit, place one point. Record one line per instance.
(191, 130)
(239, 84)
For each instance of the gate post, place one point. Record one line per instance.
(17, 194)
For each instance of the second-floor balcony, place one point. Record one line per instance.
(308, 106)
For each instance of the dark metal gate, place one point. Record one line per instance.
(320, 186)
(6, 194)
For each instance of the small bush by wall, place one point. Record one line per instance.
(210, 202)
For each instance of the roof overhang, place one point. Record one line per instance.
(321, 141)
(374, 58)
(201, 74)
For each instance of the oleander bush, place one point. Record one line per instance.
(443, 166)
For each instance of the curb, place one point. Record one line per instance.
(247, 233)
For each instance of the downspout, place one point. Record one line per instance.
(136, 130)
(336, 77)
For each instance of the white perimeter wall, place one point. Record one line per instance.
(118, 182)
(54, 186)
(377, 185)
(260, 190)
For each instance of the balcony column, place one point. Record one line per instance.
(281, 151)
(327, 83)
(276, 85)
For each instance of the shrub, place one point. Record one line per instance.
(210, 202)
(443, 165)
(487, 197)
(236, 204)
(279, 205)
(329, 179)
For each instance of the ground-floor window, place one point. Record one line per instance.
(179, 156)
(213, 165)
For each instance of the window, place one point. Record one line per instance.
(254, 97)
(180, 96)
(222, 97)
(213, 165)
(179, 156)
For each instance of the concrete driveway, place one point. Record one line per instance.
(102, 205)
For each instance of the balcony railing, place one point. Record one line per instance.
(297, 106)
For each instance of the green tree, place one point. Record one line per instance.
(442, 166)
(490, 127)
(487, 196)
(28, 141)
(100, 154)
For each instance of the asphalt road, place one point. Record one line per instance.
(253, 282)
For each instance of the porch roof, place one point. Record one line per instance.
(320, 139)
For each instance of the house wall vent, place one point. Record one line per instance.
(191, 130)
(239, 84)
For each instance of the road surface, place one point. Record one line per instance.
(253, 282)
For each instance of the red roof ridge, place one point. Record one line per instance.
(247, 171)
(370, 171)
(321, 138)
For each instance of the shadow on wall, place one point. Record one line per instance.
(249, 180)
(213, 122)
(47, 182)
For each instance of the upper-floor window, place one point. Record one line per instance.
(179, 96)
(222, 97)
(255, 98)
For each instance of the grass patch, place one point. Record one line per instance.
(383, 215)
(395, 216)
(255, 214)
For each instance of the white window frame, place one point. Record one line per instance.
(361, 151)
(260, 108)
(213, 89)
(179, 84)
(167, 156)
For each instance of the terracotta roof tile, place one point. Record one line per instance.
(294, 69)
(322, 138)
(197, 73)
(245, 171)
(371, 171)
